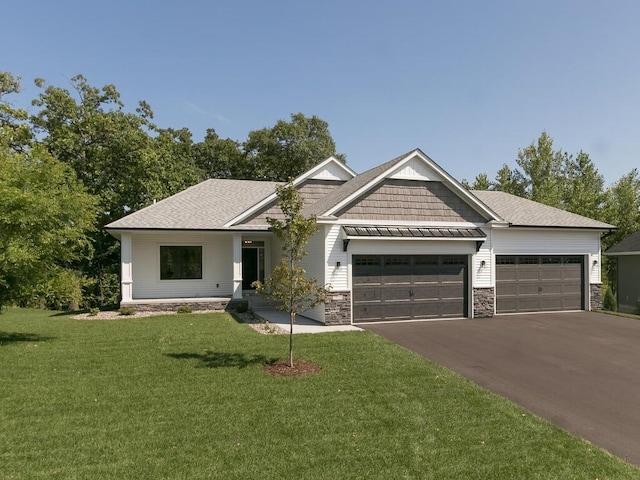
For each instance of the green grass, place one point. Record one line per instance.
(185, 397)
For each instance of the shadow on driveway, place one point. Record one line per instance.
(580, 370)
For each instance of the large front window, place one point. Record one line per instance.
(180, 262)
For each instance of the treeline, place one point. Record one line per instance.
(82, 160)
(571, 182)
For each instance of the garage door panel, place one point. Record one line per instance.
(408, 287)
(367, 313)
(393, 293)
(544, 283)
(367, 294)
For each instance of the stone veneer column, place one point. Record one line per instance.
(484, 300)
(595, 290)
(337, 308)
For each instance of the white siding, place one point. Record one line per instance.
(513, 241)
(217, 266)
(411, 247)
(416, 169)
(482, 275)
(338, 277)
(314, 264)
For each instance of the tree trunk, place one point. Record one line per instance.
(292, 317)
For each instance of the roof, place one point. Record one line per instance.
(412, 232)
(630, 244)
(521, 212)
(349, 188)
(205, 206)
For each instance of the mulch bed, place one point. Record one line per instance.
(281, 368)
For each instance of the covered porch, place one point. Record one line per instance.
(205, 270)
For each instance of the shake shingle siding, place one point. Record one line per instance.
(311, 191)
(410, 200)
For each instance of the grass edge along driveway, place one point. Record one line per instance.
(185, 396)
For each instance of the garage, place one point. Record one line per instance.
(409, 287)
(537, 283)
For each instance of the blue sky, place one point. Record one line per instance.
(468, 82)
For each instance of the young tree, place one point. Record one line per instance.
(288, 284)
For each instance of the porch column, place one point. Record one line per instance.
(126, 283)
(237, 265)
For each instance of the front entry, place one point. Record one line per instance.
(252, 265)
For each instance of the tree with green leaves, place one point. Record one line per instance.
(15, 130)
(542, 171)
(288, 283)
(45, 217)
(219, 157)
(583, 186)
(120, 156)
(288, 148)
(510, 181)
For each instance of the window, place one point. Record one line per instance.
(180, 262)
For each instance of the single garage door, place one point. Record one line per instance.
(407, 287)
(539, 283)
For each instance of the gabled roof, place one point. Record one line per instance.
(628, 246)
(367, 180)
(205, 206)
(323, 169)
(521, 212)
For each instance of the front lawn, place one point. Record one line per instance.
(185, 397)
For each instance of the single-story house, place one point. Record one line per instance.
(401, 241)
(627, 251)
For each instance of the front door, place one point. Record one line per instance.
(252, 266)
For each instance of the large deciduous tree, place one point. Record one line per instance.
(288, 148)
(45, 215)
(288, 283)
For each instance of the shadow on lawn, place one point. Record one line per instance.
(14, 337)
(221, 359)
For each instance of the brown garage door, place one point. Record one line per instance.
(539, 283)
(407, 287)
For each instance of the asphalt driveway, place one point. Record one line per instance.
(579, 370)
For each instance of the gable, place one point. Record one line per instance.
(410, 200)
(416, 169)
(311, 191)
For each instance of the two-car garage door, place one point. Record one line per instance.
(537, 283)
(407, 287)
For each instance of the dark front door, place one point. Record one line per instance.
(249, 267)
(407, 287)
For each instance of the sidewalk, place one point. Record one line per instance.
(302, 324)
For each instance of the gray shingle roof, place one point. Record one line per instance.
(350, 187)
(631, 244)
(205, 206)
(527, 213)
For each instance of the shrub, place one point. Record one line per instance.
(126, 311)
(93, 312)
(609, 301)
(185, 309)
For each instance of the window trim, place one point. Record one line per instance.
(202, 262)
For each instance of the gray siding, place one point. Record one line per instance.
(410, 200)
(311, 191)
(628, 283)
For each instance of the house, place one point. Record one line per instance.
(401, 241)
(627, 251)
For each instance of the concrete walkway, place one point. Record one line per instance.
(302, 325)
